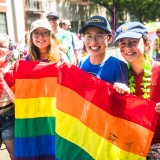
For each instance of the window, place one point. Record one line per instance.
(34, 5)
(3, 23)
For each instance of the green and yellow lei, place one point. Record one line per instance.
(146, 78)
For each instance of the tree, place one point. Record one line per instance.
(114, 8)
(144, 10)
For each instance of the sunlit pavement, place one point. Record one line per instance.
(3, 153)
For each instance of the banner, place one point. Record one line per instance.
(64, 113)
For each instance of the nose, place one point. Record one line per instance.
(41, 35)
(129, 44)
(94, 39)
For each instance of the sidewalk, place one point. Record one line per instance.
(3, 153)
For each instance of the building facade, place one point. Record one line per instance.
(16, 16)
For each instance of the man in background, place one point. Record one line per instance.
(76, 42)
(63, 36)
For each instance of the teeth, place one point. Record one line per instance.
(129, 54)
(94, 48)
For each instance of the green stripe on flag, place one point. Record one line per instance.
(34, 127)
(70, 151)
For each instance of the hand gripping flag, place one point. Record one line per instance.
(64, 113)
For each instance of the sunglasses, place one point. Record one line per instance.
(52, 19)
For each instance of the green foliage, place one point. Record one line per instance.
(144, 10)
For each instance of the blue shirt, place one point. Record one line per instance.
(112, 70)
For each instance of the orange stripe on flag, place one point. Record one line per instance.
(35, 88)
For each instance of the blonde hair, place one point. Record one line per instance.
(53, 49)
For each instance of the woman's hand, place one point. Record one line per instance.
(121, 88)
(157, 107)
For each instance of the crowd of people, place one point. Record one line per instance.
(50, 40)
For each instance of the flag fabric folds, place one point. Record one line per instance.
(64, 113)
(35, 101)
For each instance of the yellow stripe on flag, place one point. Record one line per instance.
(85, 138)
(35, 107)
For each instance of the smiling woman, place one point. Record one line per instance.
(144, 72)
(43, 44)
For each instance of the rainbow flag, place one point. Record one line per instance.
(35, 102)
(64, 113)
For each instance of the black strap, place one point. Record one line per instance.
(6, 106)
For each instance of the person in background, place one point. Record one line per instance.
(76, 42)
(6, 104)
(158, 43)
(44, 46)
(23, 46)
(65, 24)
(64, 37)
(97, 36)
(154, 48)
(144, 72)
(26, 45)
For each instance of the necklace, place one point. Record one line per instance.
(146, 78)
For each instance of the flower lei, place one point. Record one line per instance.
(146, 78)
